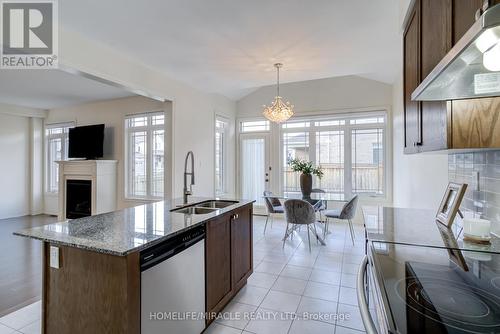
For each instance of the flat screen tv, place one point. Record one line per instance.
(86, 142)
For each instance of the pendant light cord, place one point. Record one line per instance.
(278, 78)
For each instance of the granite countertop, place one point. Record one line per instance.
(126, 231)
(418, 227)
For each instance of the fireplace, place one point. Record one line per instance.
(88, 188)
(78, 198)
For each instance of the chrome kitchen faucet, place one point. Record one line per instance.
(189, 191)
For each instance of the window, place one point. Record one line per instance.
(367, 160)
(330, 156)
(294, 125)
(295, 146)
(350, 149)
(56, 138)
(254, 126)
(145, 155)
(221, 129)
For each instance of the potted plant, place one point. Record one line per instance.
(307, 169)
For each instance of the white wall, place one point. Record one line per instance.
(17, 147)
(193, 110)
(36, 166)
(341, 94)
(420, 179)
(194, 130)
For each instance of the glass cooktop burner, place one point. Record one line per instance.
(446, 302)
(450, 303)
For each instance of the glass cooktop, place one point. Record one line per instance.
(438, 290)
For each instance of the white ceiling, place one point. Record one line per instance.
(229, 46)
(48, 89)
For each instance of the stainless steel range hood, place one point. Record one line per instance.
(472, 67)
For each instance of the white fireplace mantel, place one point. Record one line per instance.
(102, 174)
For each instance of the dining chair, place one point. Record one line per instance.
(273, 205)
(299, 213)
(347, 212)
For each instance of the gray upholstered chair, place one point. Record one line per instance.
(347, 212)
(273, 205)
(299, 212)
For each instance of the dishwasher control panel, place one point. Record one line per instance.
(170, 247)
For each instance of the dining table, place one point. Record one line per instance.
(315, 199)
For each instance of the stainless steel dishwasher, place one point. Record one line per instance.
(173, 285)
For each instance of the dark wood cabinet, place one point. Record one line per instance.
(228, 257)
(435, 33)
(241, 243)
(464, 14)
(411, 56)
(432, 28)
(436, 41)
(427, 39)
(218, 262)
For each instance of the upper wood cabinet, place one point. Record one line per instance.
(464, 12)
(412, 109)
(432, 28)
(436, 35)
(474, 123)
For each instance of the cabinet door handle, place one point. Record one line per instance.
(235, 216)
(420, 127)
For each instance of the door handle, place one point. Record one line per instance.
(420, 127)
(363, 304)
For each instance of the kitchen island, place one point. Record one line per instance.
(91, 279)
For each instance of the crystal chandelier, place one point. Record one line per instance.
(278, 111)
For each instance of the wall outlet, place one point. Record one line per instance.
(54, 257)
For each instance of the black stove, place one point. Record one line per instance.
(435, 290)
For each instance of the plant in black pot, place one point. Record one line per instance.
(308, 170)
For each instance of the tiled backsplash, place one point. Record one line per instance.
(481, 171)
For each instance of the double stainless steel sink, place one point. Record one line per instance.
(204, 208)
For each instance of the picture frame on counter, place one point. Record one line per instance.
(450, 203)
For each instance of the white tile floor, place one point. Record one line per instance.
(290, 283)
(25, 320)
(287, 285)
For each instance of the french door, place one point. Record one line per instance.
(254, 168)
